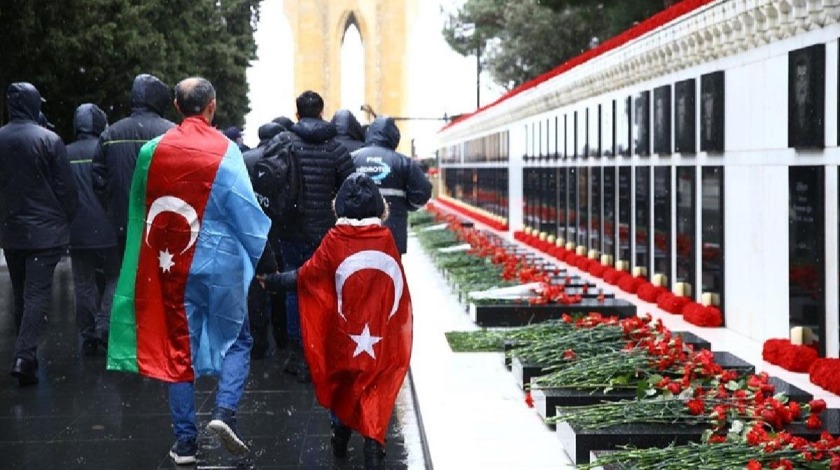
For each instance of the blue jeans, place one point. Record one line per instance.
(294, 255)
(235, 366)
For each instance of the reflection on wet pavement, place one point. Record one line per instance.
(82, 416)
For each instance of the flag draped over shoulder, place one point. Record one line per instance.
(195, 233)
(356, 322)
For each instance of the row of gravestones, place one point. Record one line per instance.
(583, 444)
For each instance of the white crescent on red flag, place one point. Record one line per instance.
(356, 323)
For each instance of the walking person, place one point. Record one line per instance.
(349, 131)
(37, 202)
(116, 154)
(324, 165)
(93, 245)
(399, 178)
(265, 308)
(356, 319)
(195, 235)
(233, 133)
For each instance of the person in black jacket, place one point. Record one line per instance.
(400, 179)
(265, 133)
(93, 245)
(261, 304)
(116, 153)
(284, 121)
(324, 165)
(38, 200)
(350, 132)
(233, 133)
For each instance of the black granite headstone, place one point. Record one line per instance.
(623, 126)
(524, 314)
(806, 97)
(685, 140)
(662, 120)
(806, 249)
(641, 143)
(580, 442)
(712, 115)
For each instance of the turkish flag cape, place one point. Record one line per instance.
(356, 323)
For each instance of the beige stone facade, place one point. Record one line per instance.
(318, 28)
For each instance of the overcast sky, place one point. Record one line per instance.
(440, 81)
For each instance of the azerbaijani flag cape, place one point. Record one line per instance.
(356, 321)
(195, 234)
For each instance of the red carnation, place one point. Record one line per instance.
(817, 406)
(695, 407)
(813, 422)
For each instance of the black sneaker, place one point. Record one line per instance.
(223, 425)
(339, 440)
(183, 452)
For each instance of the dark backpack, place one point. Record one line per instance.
(276, 177)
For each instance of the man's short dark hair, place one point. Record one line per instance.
(193, 95)
(309, 104)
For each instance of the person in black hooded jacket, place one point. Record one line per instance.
(93, 245)
(324, 165)
(400, 179)
(261, 304)
(349, 131)
(38, 200)
(116, 154)
(265, 133)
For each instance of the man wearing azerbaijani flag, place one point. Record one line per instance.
(195, 234)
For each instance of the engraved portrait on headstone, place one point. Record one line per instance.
(685, 141)
(623, 127)
(712, 116)
(662, 120)
(642, 124)
(806, 97)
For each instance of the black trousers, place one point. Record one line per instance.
(94, 299)
(31, 273)
(266, 309)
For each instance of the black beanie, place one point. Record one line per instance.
(359, 198)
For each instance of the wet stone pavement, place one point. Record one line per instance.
(82, 416)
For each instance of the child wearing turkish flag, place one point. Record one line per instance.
(356, 319)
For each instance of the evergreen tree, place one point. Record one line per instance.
(79, 51)
(518, 40)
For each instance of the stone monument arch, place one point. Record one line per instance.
(318, 28)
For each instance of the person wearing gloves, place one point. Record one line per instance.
(356, 318)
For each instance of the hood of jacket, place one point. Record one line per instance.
(284, 121)
(89, 119)
(347, 125)
(23, 101)
(314, 130)
(269, 130)
(383, 132)
(148, 93)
